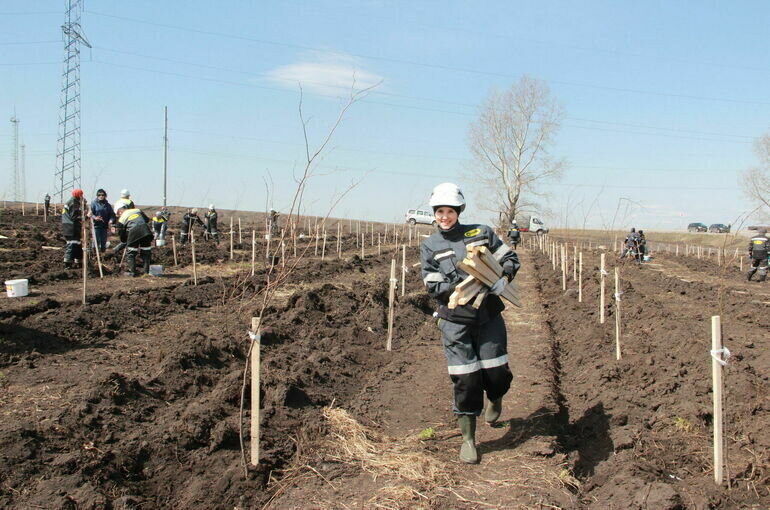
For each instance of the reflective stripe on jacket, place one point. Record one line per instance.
(439, 256)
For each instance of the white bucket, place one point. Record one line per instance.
(156, 270)
(16, 288)
(160, 242)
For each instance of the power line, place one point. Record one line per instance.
(21, 43)
(418, 98)
(430, 66)
(394, 105)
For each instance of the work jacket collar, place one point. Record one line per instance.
(453, 234)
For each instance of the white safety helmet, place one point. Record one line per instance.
(211, 207)
(124, 193)
(514, 222)
(121, 203)
(449, 194)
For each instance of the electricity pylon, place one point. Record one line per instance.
(68, 147)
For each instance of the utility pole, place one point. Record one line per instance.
(67, 175)
(23, 175)
(16, 184)
(165, 153)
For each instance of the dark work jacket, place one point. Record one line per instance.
(71, 219)
(211, 221)
(188, 220)
(133, 226)
(759, 247)
(103, 209)
(514, 235)
(439, 256)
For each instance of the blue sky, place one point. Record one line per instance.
(663, 100)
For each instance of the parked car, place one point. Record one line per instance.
(414, 216)
(697, 227)
(719, 228)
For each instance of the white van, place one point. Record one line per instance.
(414, 216)
(531, 224)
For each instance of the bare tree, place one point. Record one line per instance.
(756, 181)
(511, 142)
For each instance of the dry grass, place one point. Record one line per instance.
(413, 478)
(727, 241)
(379, 455)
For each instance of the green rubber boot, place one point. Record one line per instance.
(467, 425)
(493, 411)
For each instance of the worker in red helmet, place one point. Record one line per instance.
(71, 219)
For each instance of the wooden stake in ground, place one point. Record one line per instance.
(563, 268)
(240, 236)
(362, 245)
(391, 302)
(718, 356)
(602, 274)
(173, 248)
(379, 245)
(283, 250)
(574, 263)
(231, 238)
(195, 265)
(403, 269)
(83, 246)
(580, 277)
(96, 250)
(253, 251)
(255, 366)
(316, 241)
(339, 241)
(618, 355)
(323, 248)
(45, 214)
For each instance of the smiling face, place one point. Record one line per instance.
(446, 217)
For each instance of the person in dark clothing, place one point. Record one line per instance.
(474, 335)
(632, 246)
(759, 250)
(189, 220)
(211, 224)
(72, 225)
(47, 201)
(514, 234)
(103, 217)
(642, 246)
(134, 230)
(273, 227)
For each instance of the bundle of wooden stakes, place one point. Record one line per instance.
(484, 271)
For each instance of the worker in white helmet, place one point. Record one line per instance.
(211, 224)
(474, 335)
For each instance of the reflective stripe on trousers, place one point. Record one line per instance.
(477, 362)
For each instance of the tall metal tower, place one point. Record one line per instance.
(68, 148)
(16, 183)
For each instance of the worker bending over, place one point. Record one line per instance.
(134, 230)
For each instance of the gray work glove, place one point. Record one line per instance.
(498, 287)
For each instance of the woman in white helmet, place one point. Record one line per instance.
(474, 335)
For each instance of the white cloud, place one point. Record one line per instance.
(328, 74)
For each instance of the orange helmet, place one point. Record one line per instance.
(77, 193)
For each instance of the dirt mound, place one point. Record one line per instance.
(639, 429)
